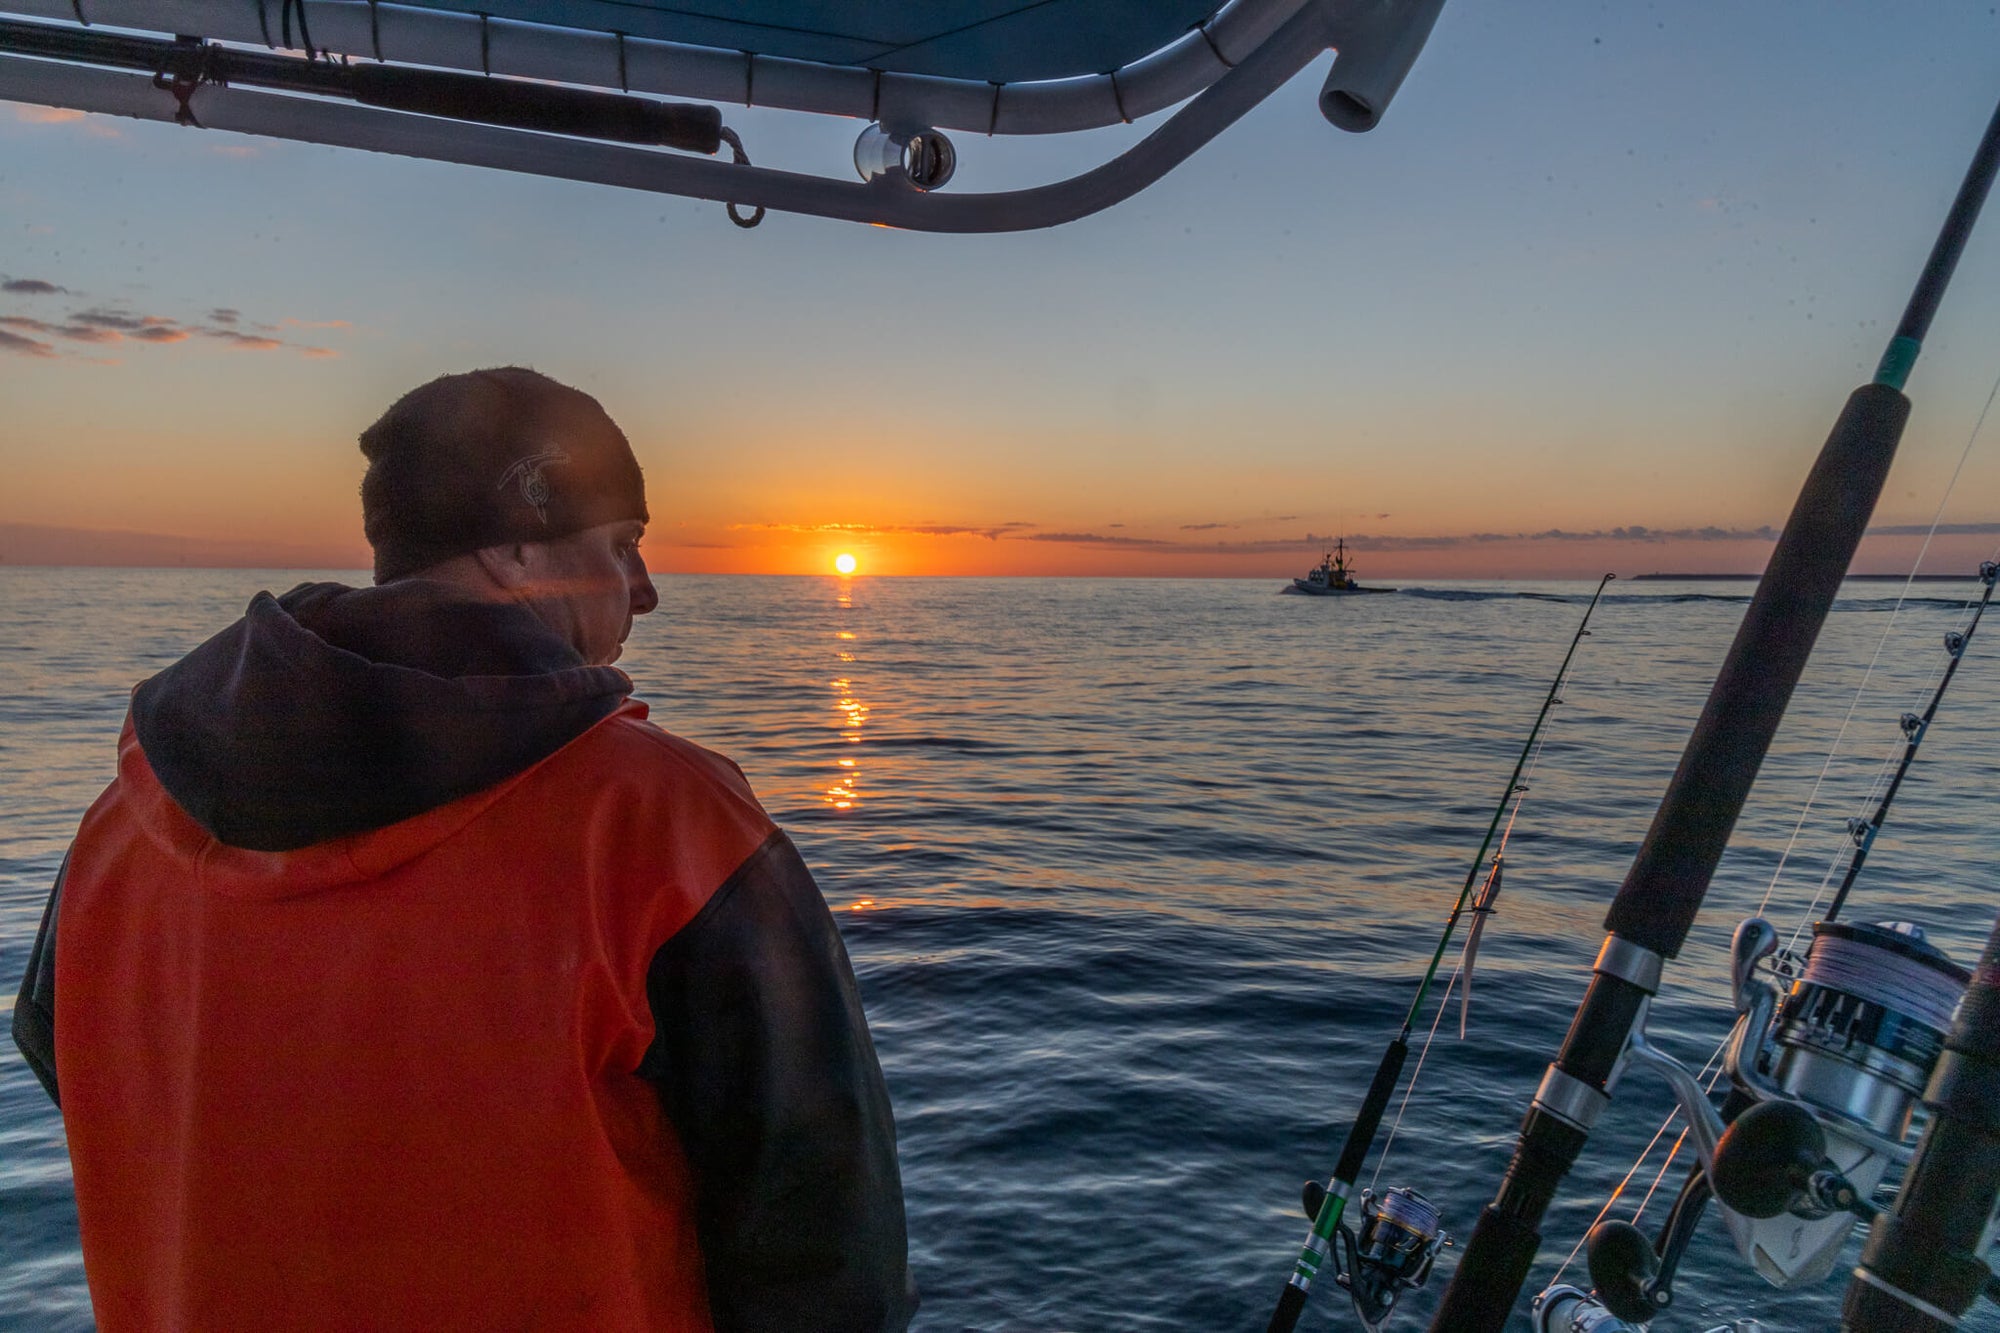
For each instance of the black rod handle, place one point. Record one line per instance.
(1291, 1304)
(1663, 891)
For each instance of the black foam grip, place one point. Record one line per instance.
(535, 106)
(1497, 1259)
(1286, 1317)
(1664, 889)
(1361, 1134)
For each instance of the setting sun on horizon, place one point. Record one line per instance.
(846, 563)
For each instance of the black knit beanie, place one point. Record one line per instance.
(488, 458)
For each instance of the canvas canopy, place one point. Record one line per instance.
(566, 87)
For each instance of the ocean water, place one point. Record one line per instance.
(1138, 876)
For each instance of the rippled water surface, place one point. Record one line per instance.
(1138, 877)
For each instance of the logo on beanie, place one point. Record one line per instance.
(534, 486)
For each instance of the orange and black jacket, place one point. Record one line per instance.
(407, 977)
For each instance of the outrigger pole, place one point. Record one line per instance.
(1656, 906)
(1332, 1198)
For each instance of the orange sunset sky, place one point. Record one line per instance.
(1597, 319)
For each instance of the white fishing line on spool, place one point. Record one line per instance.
(1883, 977)
(1409, 1210)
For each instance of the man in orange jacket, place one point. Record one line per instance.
(407, 977)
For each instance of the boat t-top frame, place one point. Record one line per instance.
(519, 93)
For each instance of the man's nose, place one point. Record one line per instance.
(644, 596)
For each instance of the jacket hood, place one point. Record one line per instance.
(333, 710)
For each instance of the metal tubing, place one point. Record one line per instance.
(885, 201)
(437, 38)
(512, 103)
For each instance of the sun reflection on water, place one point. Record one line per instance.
(844, 793)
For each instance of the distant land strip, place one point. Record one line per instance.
(1853, 578)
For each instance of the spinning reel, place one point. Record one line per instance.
(1825, 1080)
(1390, 1253)
(1565, 1309)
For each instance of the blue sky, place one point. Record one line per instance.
(1601, 266)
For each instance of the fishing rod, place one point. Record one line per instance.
(1915, 727)
(1924, 1264)
(1402, 1210)
(1656, 906)
(1822, 1080)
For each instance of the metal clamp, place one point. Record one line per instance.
(1630, 962)
(1569, 1099)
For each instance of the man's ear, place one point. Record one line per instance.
(505, 565)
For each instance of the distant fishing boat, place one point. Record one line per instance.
(1332, 575)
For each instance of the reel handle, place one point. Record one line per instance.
(1625, 1269)
(1772, 1160)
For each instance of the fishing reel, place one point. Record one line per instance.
(1566, 1309)
(1391, 1252)
(1825, 1078)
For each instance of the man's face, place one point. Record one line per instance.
(588, 586)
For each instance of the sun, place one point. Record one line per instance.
(846, 563)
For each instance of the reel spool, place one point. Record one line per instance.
(1862, 1028)
(1832, 1074)
(1848, 1050)
(1391, 1253)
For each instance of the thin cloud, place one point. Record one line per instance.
(992, 532)
(1313, 542)
(45, 115)
(248, 342)
(113, 323)
(1205, 527)
(121, 320)
(62, 115)
(23, 346)
(82, 333)
(1096, 539)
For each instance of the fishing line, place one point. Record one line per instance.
(1937, 517)
(1895, 762)
(1647, 1151)
(1444, 1001)
(1377, 1283)
(1665, 1166)
(1969, 616)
